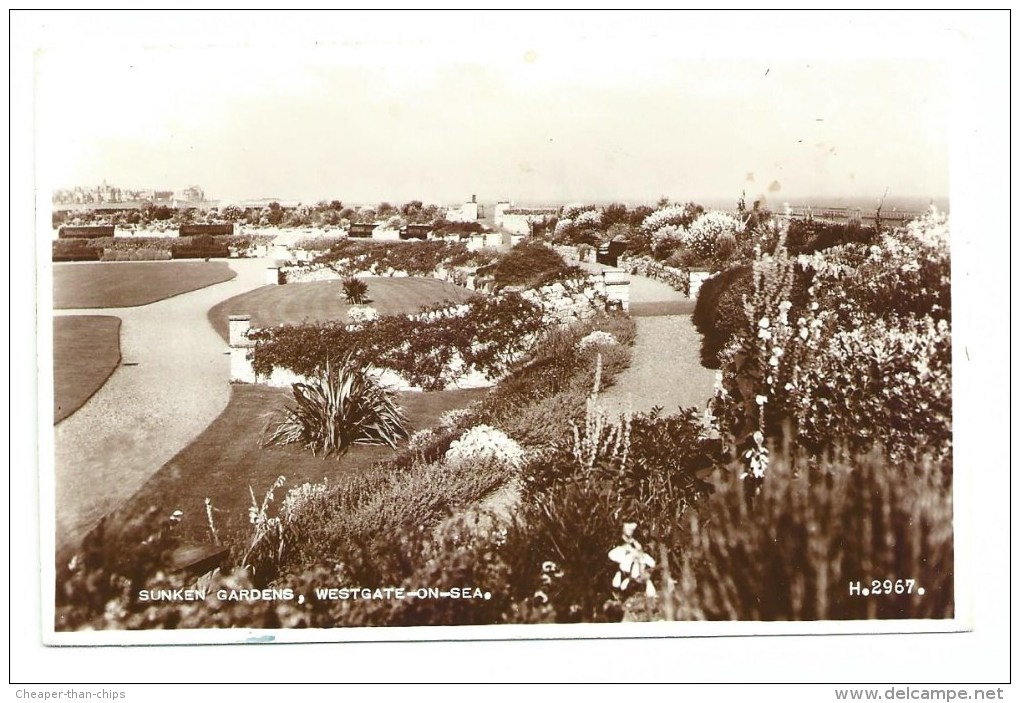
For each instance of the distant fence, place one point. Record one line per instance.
(849, 215)
(194, 230)
(88, 232)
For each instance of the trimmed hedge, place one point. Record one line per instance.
(75, 250)
(719, 310)
(212, 252)
(213, 230)
(86, 232)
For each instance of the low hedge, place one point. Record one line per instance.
(91, 232)
(212, 252)
(529, 264)
(719, 310)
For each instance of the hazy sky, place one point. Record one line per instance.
(554, 116)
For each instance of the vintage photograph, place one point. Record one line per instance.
(355, 340)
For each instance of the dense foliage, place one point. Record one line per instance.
(346, 405)
(815, 530)
(864, 360)
(528, 265)
(349, 256)
(431, 349)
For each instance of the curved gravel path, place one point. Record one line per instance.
(665, 369)
(172, 382)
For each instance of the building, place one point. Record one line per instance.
(520, 220)
(468, 212)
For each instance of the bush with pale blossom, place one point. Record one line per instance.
(358, 314)
(485, 443)
(563, 225)
(451, 418)
(303, 498)
(597, 338)
(865, 361)
(701, 236)
(675, 215)
(589, 218)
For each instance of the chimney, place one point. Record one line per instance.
(474, 199)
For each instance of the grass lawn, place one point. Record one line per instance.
(86, 350)
(321, 301)
(128, 284)
(226, 458)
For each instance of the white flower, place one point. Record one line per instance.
(632, 563)
(761, 400)
(598, 338)
(764, 323)
(485, 443)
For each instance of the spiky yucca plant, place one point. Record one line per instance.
(355, 290)
(346, 405)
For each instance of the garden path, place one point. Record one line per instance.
(665, 368)
(172, 382)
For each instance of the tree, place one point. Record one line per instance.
(613, 214)
(275, 215)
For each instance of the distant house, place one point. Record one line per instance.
(520, 220)
(468, 212)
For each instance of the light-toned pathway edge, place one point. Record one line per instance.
(146, 413)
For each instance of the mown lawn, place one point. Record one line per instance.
(86, 350)
(322, 301)
(128, 284)
(226, 459)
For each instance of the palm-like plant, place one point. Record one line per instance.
(355, 290)
(346, 405)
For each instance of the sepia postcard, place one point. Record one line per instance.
(637, 325)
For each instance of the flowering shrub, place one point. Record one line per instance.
(451, 419)
(678, 216)
(359, 314)
(348, 256)
(666, 227)
(700, 238)
(596, 338)
(429, 350)
(864, 358)
(485, 443)
(302, 498)
(588, 218)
